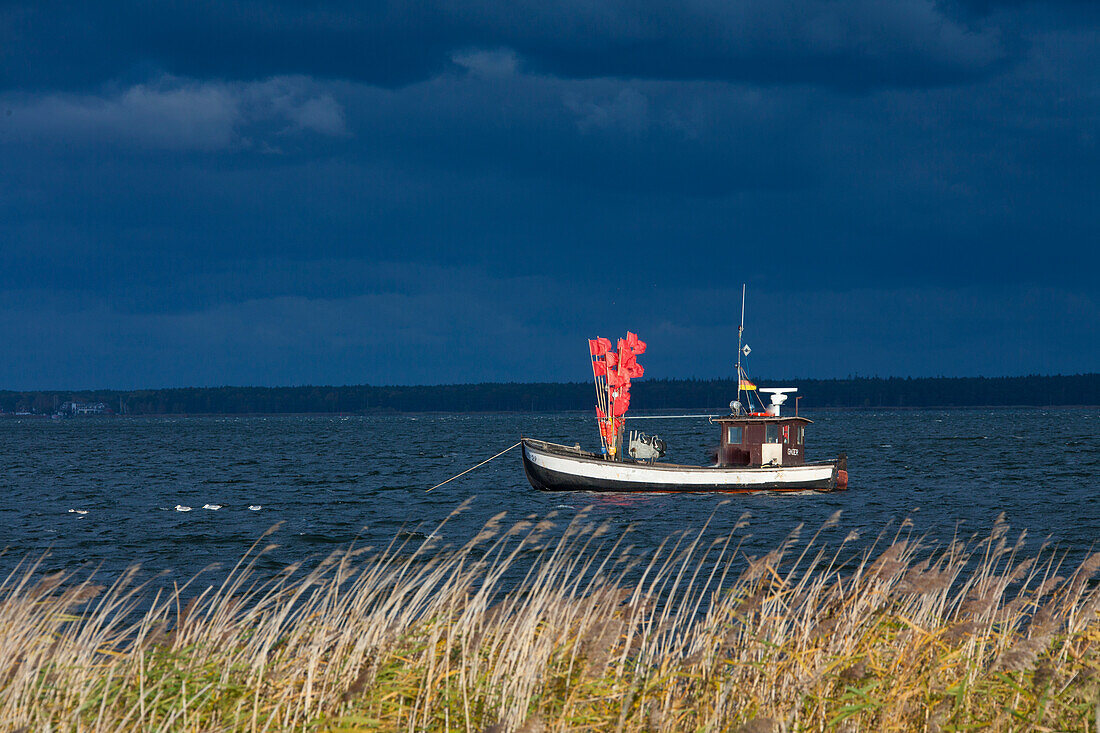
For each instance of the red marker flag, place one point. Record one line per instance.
(599, 347)
(616, 378)
(628, 364)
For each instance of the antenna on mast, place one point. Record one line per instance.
(740, 331)
(743, 383)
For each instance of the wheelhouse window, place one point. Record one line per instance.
(734, 435)
(801, 435)
(771, 433)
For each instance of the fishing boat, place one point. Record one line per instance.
(759, 448)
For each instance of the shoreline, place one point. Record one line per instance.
(415, 413)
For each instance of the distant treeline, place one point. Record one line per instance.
(648, 395)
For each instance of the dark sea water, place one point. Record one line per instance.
(335, 480)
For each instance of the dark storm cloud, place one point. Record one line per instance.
(1049, 11)
(852, 44)
(458, 325)
(491, 164)
(413, 193)
(174, 114)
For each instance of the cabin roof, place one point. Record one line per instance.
(756, 419)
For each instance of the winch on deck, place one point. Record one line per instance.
(644, 447)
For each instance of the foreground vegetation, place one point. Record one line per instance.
(513, 631)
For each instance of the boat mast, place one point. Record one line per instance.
(740, 330)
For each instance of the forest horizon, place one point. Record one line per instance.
(650, 395)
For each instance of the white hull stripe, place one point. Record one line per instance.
(628, 473)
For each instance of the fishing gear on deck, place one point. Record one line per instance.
(612, 372)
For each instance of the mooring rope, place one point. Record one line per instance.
(666, 417)
(471, 468)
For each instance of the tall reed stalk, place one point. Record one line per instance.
(522, 629)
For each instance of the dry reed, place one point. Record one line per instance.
(519, 631)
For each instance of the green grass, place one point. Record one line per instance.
(692, 637)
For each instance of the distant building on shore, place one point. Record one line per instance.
(83, 408)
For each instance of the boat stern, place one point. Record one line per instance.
(839, 480)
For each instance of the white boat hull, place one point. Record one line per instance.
(553, 467)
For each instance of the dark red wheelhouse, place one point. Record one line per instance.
(762, 440)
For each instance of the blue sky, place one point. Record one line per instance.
(420, 192)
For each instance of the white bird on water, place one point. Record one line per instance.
(182, 508)
(78, 511)
(254, 507)
(212, 507)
